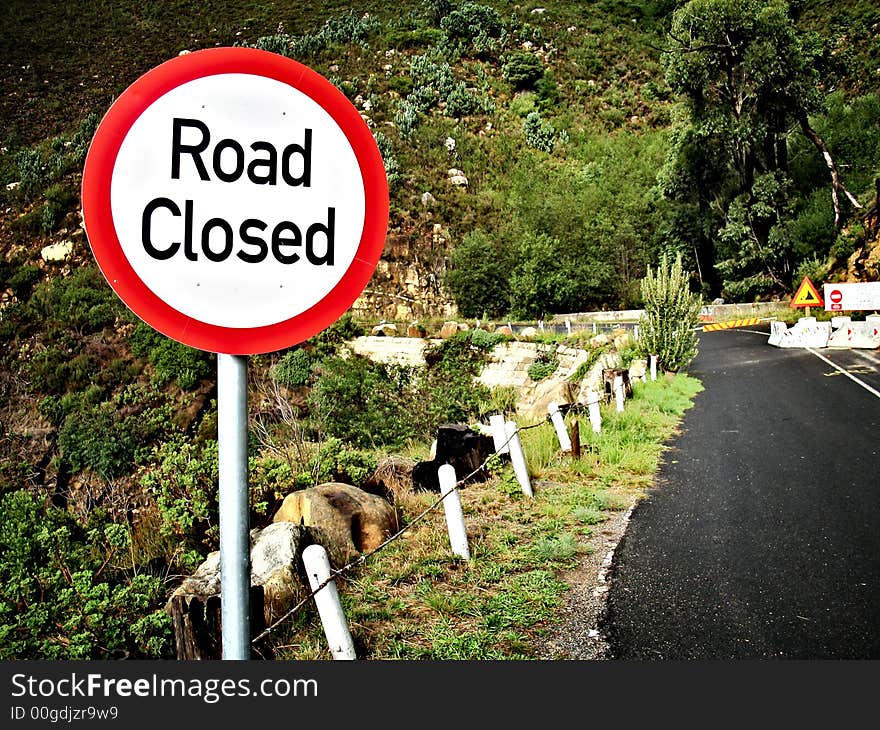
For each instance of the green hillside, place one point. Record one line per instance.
(596, 138)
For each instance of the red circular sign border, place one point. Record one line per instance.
(103, 239)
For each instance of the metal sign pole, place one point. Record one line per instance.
(234, 538)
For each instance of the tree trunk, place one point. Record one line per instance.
(836, 185)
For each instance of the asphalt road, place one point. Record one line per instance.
(762, 536)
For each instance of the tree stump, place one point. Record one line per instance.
(608, 375)
(198, 626)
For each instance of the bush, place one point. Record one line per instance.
(64, 596)
(544, 366)
(540, 135)
(671, 314)
(184, 483)
(82, 302)
(293, 369)
(522, 69)
(337, 462)
(100, 439)
(171, 360)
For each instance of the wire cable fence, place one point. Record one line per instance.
(364, 557)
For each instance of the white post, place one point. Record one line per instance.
(317, 565)
(454, 516)
(499, 434)
(618, 392)
(568, 325)
(541, 324)
(518, 458)
(595, 414)
(636, 332)
(653, 367)
(559, 425)
(595, 328)
(235, 548)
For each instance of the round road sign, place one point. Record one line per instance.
(235, 200)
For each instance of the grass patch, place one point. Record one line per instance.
(413, 600)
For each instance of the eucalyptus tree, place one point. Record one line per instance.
(748, 80)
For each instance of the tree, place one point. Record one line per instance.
(478, 279)
(747, 78)
(667, 327)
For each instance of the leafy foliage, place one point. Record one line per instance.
(65, 594)
(667, 326)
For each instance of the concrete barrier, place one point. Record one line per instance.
(807, 332)
(858, 335)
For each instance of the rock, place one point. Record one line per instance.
(57, 252)
(456, 177)
(719, 300)
(346, 520)
(638, 369)
(621, 339)
(384, 329)
(600, 340)
(416, 330)
(460, 446)
(448, 329)
(504, 330)
(275, 552)
(428, 199)
(528, 332)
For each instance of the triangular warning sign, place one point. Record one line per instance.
(807, 295)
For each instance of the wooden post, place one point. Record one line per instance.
(575, 440)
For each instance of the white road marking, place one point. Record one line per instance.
(848, 374)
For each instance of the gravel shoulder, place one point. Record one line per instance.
(577, 635)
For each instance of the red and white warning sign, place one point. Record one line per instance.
(235, 200)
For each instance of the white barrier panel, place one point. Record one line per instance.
(806, 333)
(777, 330)
(859, 335)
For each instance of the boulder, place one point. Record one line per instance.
(528, 332)
(460, 446)
(448, 329)
(504, 330)
(600, 340)
(638, 369)
(57, 252)
(457, 178)
(384, 329)
(275, 552)
(416, 330)
(346, 520)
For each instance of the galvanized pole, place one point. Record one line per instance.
(232, 438)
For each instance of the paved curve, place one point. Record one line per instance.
(762, 538)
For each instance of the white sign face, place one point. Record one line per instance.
(852, 297)
(237, 200)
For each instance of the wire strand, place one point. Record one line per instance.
(361, 559)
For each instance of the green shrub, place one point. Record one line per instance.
(171, 360)
(31, 171)
(64, 596)
(544, 366)
(671, 314)
(337, 462)
(184, 482)
(540, 135)
(82, 302)
(522, 69)
(293, 369)
(99, 438)
(363, 403)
